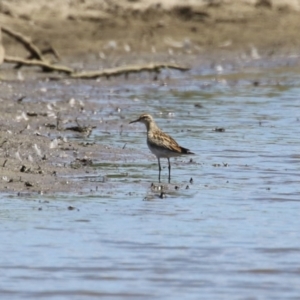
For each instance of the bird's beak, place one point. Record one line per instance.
(137, 120)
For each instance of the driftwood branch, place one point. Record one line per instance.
(94, 74)
(127, 70)
(38, 63)
(26, 42)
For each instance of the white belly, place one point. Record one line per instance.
(161, 152)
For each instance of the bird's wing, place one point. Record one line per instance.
(165, 141)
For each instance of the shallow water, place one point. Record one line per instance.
(232, 234)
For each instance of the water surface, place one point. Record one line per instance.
(233, 233)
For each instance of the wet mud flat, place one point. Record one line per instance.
(45, 145)
(66, 135)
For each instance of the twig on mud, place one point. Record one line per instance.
(152, 67)
(4, 163)
(26, 42)
(38, 63)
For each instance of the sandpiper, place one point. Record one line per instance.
(160, 143)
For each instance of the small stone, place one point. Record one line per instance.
(23, 169)
(220, 129)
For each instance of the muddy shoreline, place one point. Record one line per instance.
(89, 28)
(38, 151)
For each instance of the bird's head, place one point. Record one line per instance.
(145, 119)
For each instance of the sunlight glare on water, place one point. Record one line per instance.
(231, 234)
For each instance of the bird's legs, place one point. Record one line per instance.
(159, 169)
(169, 169)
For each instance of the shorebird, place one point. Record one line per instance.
(160, 143)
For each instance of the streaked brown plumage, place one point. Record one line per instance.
(161, 144)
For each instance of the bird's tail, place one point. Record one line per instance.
(186, 151)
